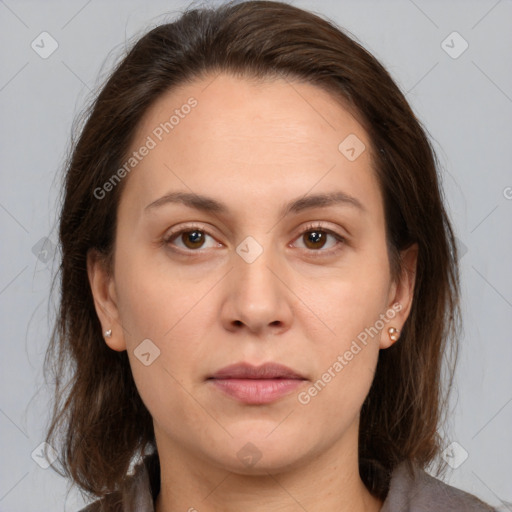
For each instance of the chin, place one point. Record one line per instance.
(260, 454)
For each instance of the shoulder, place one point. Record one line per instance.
(413, 490)
(137, 493)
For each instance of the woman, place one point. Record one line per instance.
(258, 278)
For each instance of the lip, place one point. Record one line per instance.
(256, 384)
(264, 371)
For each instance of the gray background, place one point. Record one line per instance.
(465, 103)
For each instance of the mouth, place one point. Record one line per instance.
(256, 385)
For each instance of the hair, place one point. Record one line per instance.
(98, 420)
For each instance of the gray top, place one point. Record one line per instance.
(418, 492)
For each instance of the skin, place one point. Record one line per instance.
(254, 147)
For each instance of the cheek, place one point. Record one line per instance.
(350, 306)
(346, 354)
(349, 302)
(174, 322)
(155, 300)
(172, 312)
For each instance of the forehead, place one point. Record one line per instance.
(232, 108)
(241, 137)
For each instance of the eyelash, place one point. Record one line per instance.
(310, 227)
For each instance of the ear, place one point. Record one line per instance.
(401, 294)
(105, 300)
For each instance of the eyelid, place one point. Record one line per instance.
(318, 225)
(195, 226)
(321, 227)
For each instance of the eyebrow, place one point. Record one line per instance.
(210, 205)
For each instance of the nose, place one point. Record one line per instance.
(257, 297)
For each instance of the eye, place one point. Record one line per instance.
(316, 237)
(190, 238)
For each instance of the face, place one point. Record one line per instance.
(251, 231)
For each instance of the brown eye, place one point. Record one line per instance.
(192, 239)
(320, 241)
(315, 239)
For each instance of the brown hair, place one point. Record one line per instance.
(98, 415)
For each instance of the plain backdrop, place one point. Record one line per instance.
(462, 95)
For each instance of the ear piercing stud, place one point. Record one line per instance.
(108, 333)
(393, 333)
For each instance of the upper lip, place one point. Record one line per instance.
(248, 371)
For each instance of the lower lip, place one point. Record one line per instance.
(257, 391)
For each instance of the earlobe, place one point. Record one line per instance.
(105, 302)
(401, 296)
(390, 334)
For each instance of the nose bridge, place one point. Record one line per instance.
(258, 296)
(252, 262)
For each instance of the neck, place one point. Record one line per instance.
(329, 483)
